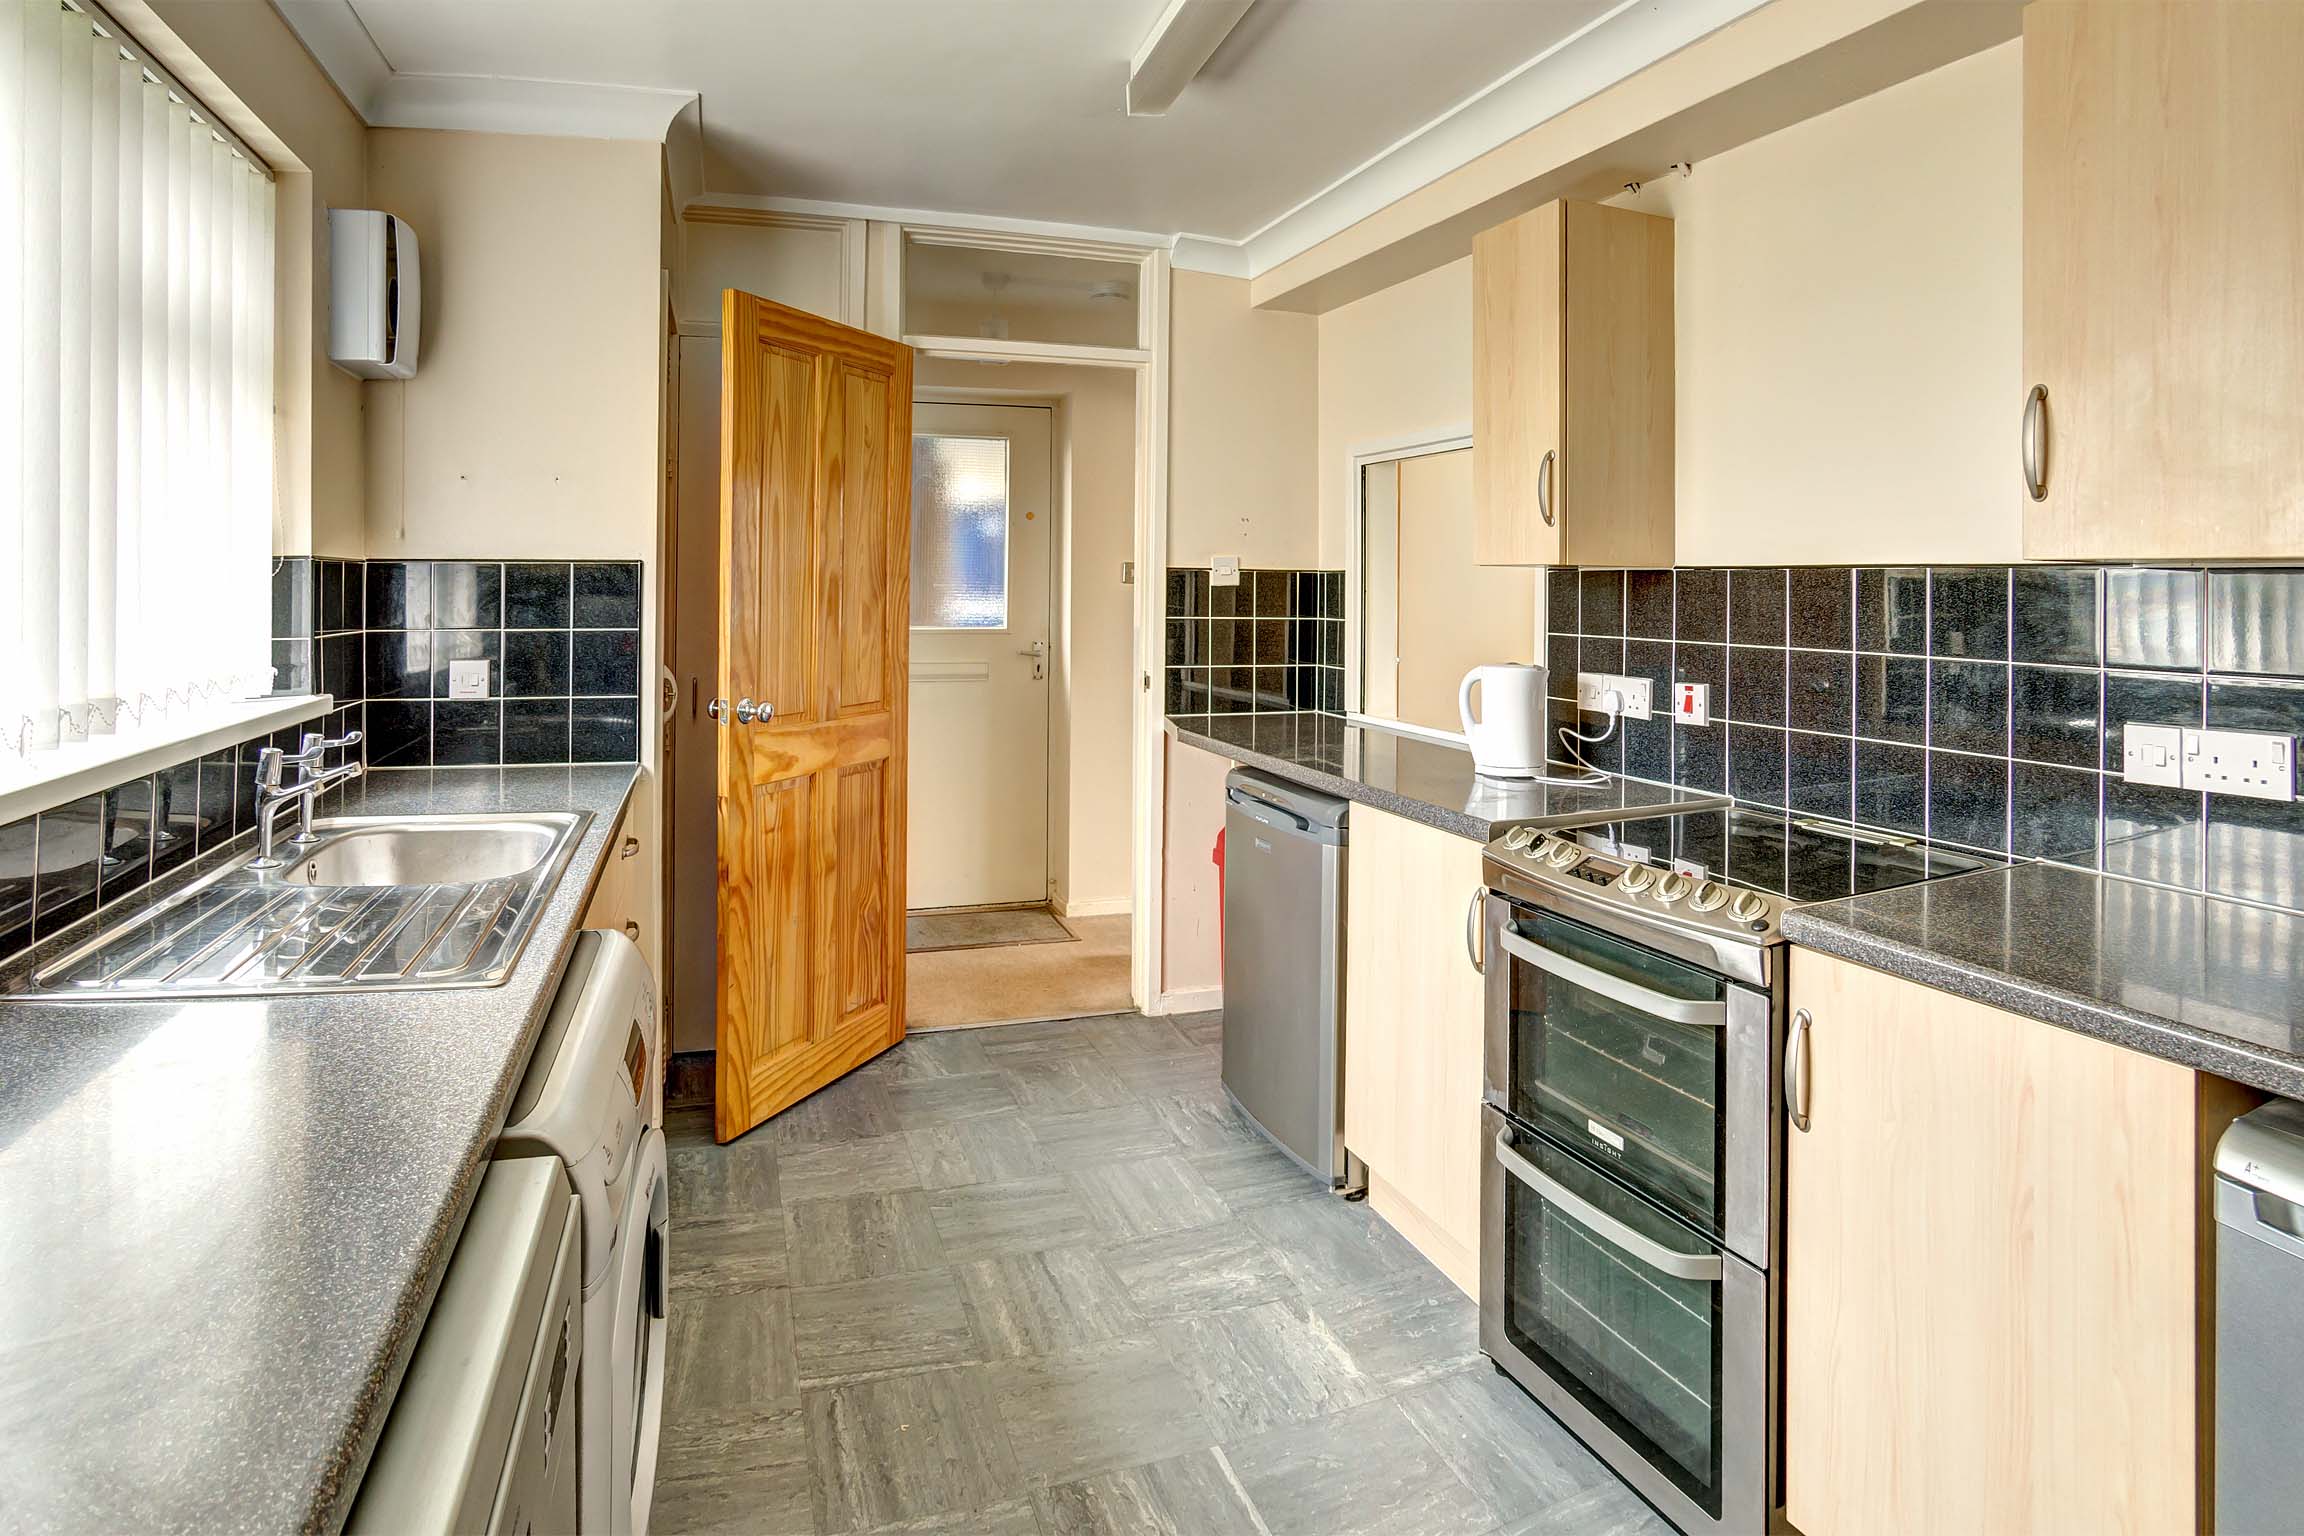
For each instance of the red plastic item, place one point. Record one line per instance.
(1218, 858)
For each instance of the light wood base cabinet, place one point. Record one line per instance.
(1412, 1034)
(1993, 1306)
(619, 897)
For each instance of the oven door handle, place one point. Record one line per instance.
(1676, 1010)
(1706, 1267)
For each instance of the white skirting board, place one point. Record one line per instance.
(1110, 906)
(1189, 1000)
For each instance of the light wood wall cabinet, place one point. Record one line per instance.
(1572, 388)
(1412, 1034)
(1994, 1310)
(2163, 280)
(619, 898)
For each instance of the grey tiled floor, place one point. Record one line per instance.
(1042, 1280)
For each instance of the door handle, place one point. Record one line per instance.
(1677, 1010)
(746, 712)
(1680, 1266)
(1796, 1069)
(2034, 443)
(1472, 945)
(1038, 651)
(1544, 486)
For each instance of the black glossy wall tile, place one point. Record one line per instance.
(1270, 642)
(1560, 666)
(1968, 799)
(343, 670)
(1755, 685)
(292, 667)
(467, 732)
(1273, 592)
(1562, 607)
(1820, 774)
(1968, 706)
(1705, 664)
(1820, 692)
(399, 594)
(1234, 601)
(607, 594)
(71, 844)
(1652, 660)
(175, 815)
(399, 664)
(604, 730)
(1892, 786)
(2152, 618)
(2256, 622)
(1892, 610)
(399, 733)
(1700, 757)
(450, 645)
(295, 597)
(19, 850)
(1599, 654)
(1968, 613)
(1700, 605)
(1648, 748)
(219, 794)
(2256, 850)
(1756, 605)
(2053, 614)
(1332, 595)
(535, 730)
(2146, 701)
(2152, 832)
(335, 608)
(606, 661)
(1231, 642)
(2053, 813)
(1603, 748)
(1187, 643)
(1892, 698)
(467, 594)
(537, 596)
(1823, 606)
(127, 861)
(1756, 764)
(1648, 605)
(2055, 715)
(1602, 603)
(2250, 706)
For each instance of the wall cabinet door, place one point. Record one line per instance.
(1990, 1303)
(1572, 380)
(2163, 280)
(1412, 1034)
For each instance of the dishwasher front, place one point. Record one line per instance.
(2260, 1320)
(1284, 965)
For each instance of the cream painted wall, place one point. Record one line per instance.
(1089, 693)
(243, 59)
(799, 266)
(1393, 366)
(1192, 918)
(1243, 426)
(1850, 347)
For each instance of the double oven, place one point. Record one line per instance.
(1631, 1172)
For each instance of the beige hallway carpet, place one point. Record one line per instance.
(960, 988)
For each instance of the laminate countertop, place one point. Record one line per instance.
(226, 1218)
(1425, 781)
(2209, 984)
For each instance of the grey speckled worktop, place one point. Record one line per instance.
(2209, 984)
(1426, 781)
(225, 1219)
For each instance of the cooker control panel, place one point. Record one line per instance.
(1690, 899)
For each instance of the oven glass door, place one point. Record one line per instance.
(1619, 1052)
(1615, 1302)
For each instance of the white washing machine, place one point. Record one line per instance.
(587, 1101)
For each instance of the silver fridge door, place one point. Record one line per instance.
(2260, 1320)
(1284, 965)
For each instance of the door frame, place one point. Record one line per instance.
(1059, 642)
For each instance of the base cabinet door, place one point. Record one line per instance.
(1412, 1034)
(1990, 1271)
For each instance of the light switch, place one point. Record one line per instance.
(1692, 703)
(1224, 571)
(2152, 754)
(468, 679)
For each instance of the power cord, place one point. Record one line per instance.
(1612, 703)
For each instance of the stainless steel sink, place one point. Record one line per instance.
(377, 904)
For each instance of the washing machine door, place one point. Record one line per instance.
(635, 1356)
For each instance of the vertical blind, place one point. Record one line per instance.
(136, 433)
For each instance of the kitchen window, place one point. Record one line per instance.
(136, 435)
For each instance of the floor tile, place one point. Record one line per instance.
(1047, 1303)
(1073, 1078)
(1503, 1447)
(1128, 1035)
(1409, 1328)
(930, 1100)
(985, 1150)
(1147, 1195)
(852, 1109)
(728, 1255)
(867, 1167)
(1332, 1245)
(1204, 1269)
(1010, 1517)
(861, 1237)
(739, 1179)
(1258, 1368)
(1198, 1072)
(1120, 1404)
(1256, 1173)
(1205, 1028)
(881, 1327)
(728, 1357)
(907, 1447)
(1206, 1122)
(941, 1053)
(1017, 1216)
(1076, 1138)
(1364, 1472)
(753, 1479)
(690, 1125)
(1610, 1509)
(1192, 1495)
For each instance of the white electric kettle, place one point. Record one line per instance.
(1507, 739)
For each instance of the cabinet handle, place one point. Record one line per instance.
(632, 930)
(1544, 487)
(631, 847)
(1796, 1070)
(2034, 440)
(1474, 949)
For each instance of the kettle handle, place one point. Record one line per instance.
(1464, 700)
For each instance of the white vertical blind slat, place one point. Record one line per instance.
(42, 216)
(104, 163)
(16, 692)
(75, 47)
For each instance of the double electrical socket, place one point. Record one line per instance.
(2258, 764)
(1593, 689)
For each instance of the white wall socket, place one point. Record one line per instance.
(2258, 764)
(1593, 688)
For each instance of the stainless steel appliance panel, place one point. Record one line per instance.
(2260, 1320)
(1284, 965)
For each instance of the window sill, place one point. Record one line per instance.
(64, 775)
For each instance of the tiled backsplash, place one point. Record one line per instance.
(561, 639)
(61, 865)
(1274, 642)
(1980, 705)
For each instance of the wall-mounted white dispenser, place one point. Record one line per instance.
(375, 308)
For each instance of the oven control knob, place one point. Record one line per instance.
(1637, 879)
(1709, 897)
(1748, 906)
(1672, 887)
(1519, 838)
(1563, 855)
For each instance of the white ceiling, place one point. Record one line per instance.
(1008, 108)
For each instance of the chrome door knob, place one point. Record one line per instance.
(1709, 897)
(748, 712)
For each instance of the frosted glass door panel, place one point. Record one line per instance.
(959, 532)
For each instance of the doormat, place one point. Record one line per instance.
(927, 932)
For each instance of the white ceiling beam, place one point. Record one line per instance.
(1172, 53)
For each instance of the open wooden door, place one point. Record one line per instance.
(815, 552)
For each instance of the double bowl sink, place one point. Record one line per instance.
(372, 904)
